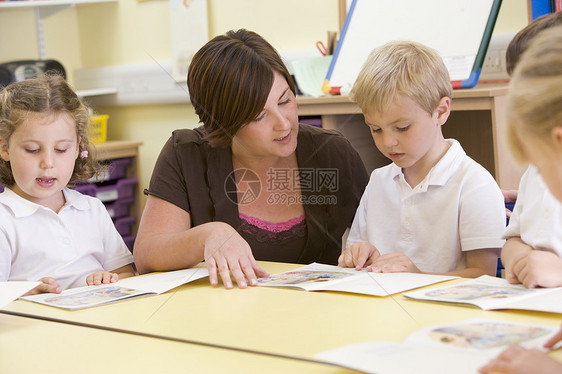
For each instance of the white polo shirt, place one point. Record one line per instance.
(36, 242)
(537, 214)
(457, 207)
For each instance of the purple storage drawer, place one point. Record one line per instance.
(122, 189)
(129, 241)
(312, 121)
(86, 189)
(124, 225)
(117, 169)
(119, 208)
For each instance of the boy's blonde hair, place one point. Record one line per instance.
(534, 103)
(44, 96)
(402, 68)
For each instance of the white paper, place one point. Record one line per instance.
(11, 290)
(321, 277)
(460, 348)
(89, 296)
(162, 282)
(491, 293)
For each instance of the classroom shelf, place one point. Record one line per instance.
(44, 9)
(50, 3)
(125, 157)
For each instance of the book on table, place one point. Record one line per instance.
(492, 293)
(124, 289)
(321, 277)
(11, 290)
(459, 348)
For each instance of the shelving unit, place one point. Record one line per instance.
(115, 150)
(46, 8)
(49, 3)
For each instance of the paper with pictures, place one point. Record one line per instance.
(11, 290)
(144, 285)
(461, 347)
(492, 293)
(321, 277)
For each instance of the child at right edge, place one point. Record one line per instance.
(434, 209)
(534, 124)
(532, 254)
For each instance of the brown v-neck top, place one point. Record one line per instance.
(198, 178)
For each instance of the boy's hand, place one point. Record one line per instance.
(101, 277)
(359, 255)
(48, 285)
(393, 263)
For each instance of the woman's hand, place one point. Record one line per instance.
(228, 252)
(358, 255)
(48, 285)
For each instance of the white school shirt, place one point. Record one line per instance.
(36, 242)
(457, 207)
(537, 214)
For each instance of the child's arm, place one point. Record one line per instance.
(104, 277)
(517, 359)
(539, 269)
(358, 255)
(48, 285)
(478, 262)
(513, 250)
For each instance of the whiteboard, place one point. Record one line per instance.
(459, 30)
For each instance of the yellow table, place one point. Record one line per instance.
(275, 321)
(35, 346)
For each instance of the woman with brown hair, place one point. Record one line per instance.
(251, 183)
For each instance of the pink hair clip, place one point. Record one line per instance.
(84, 154)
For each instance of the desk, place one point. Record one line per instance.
(35, 346)
(476, 120)
(268, 320)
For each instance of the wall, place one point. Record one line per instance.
(513, 16)
(18, 40)
(129, 32)
(142, 31)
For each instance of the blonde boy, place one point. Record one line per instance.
(434, 209)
